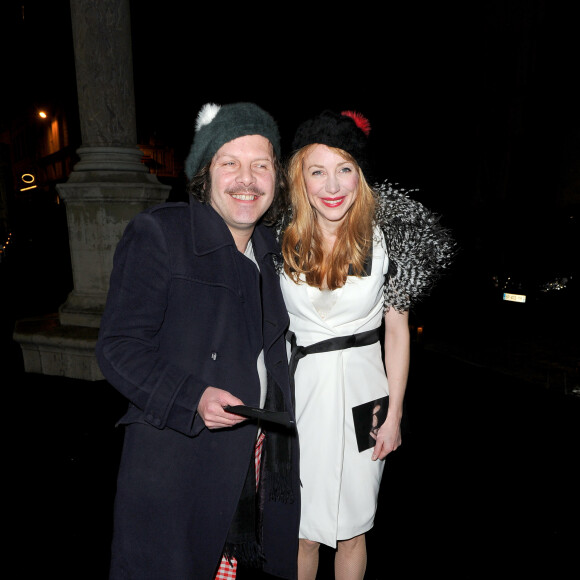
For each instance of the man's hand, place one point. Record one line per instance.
(211, 408)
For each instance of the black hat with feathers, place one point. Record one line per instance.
(347, 130)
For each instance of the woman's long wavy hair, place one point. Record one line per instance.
(200, 188)
(302, 240)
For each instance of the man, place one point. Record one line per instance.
(195, 322)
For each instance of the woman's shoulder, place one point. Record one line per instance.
(420, 249)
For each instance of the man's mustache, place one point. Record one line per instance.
(245, 189)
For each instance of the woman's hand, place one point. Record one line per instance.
(388, 438)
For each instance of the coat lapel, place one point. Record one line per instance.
(208, 230)
(275, 315)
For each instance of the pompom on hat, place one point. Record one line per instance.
(218, 124)
(348, 131)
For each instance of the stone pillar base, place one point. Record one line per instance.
(81, 310)
(49, 348)
(99, 205)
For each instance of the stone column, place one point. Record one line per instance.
(106, 188)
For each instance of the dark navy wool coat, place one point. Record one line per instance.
(184, 312)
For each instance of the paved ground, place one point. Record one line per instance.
(485, 484)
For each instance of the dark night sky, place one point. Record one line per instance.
(451, 90)
(438, 80)
(473, 103)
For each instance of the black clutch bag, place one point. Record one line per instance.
(368, 418)
(280, 417)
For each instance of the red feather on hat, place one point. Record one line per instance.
(361, 121)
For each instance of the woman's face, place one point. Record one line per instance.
(331, 184)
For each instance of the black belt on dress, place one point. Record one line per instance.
(336, 343)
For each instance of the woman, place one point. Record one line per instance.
(353, 257)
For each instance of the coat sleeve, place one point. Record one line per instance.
(128, 345)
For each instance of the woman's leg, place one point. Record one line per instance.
(350, 561)
(307, 559)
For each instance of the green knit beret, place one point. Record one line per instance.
(217, 124)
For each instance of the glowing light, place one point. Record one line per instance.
(29, 180)
(42, 114)
(514, 297)
(3, 246)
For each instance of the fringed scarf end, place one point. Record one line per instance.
(247, 553)
(280, 489)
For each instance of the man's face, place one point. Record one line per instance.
(243, 180)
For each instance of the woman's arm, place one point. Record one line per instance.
(397, 359)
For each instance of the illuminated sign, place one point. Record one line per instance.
(514, 297)
(28, 179)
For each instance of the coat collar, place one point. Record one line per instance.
(210, 232)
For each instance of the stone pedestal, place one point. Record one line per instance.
(49, 348)
(106, 188)
(99, 204)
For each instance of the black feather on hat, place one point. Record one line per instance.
(348, 131)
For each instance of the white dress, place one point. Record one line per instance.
(339, 485)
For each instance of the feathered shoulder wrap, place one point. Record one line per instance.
(419, 248)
